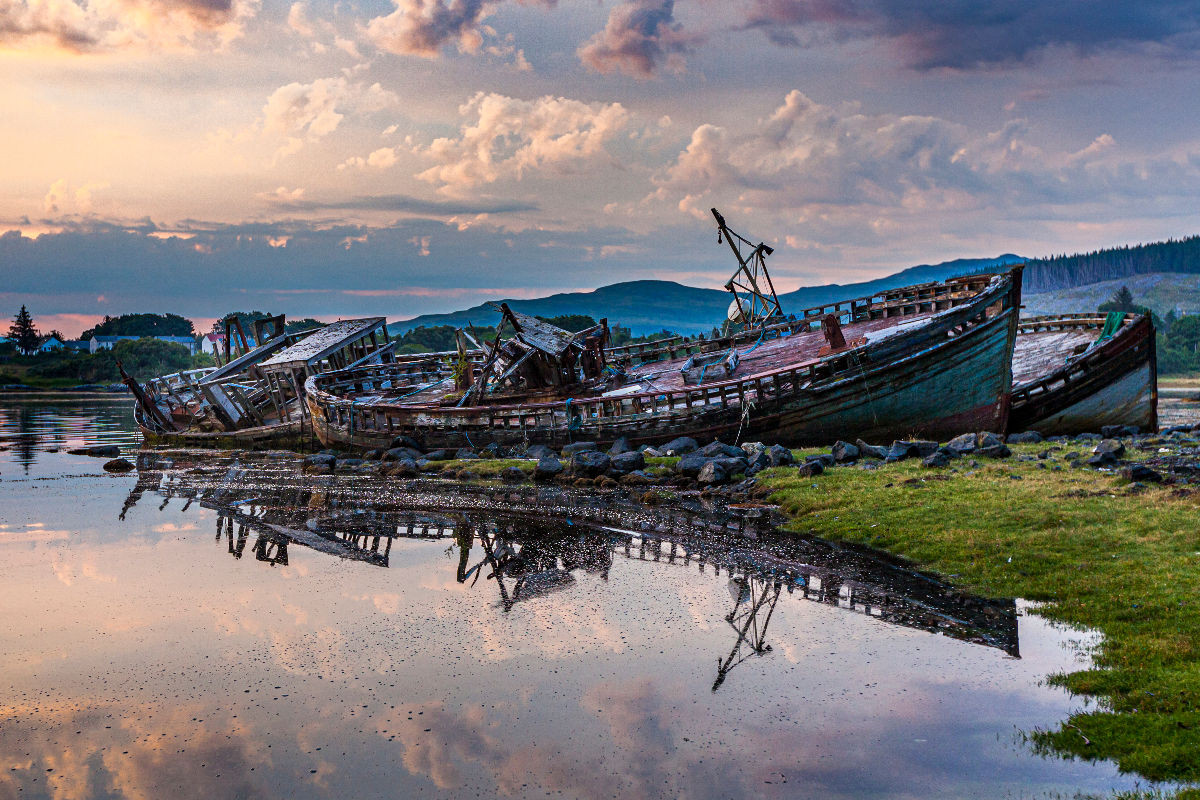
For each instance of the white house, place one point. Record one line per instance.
(212, 343)
(51, 344)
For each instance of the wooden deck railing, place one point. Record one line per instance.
(594, 414)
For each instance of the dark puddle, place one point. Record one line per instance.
(206, 628)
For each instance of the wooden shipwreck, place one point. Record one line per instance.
(1076, 373)
(255, 399)
(933, 360)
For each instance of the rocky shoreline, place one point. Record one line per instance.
(1171, 457)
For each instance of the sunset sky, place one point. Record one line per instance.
(408, 156)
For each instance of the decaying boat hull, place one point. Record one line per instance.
(289, 435)
(1127, 401)
(949, 375)
(1116, 383)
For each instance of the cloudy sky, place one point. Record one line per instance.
(402, 156)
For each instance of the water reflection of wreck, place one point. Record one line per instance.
(532, 541)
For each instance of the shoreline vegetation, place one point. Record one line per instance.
(1093, 548)
(1095, 551)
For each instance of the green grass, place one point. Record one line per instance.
(482, 467)
(1097, 554)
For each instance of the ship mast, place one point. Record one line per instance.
(755, 303)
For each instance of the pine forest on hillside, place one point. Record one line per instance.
(1062, 272)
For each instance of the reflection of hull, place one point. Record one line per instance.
(1113, 383)
(536, 537)
(945, 373)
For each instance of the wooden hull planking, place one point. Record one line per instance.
(288, 435)
(938, 379)
(1116, 383)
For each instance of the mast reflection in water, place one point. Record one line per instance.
(530, 541)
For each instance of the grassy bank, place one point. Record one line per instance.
(1098, 552)
(1185, 381)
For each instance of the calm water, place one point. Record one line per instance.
(204, 628)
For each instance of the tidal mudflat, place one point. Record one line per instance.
(216, 627)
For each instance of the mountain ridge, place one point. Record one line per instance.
(650, 305)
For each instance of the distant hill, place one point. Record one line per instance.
(650, 305)
(1161, 291)
(1064, 272)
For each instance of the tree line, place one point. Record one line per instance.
(1067, 271)
(1178, 338)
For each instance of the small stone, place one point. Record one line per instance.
(716, 448)
(870, 450)
(900, 450)
(963, 444)
(1113, 446)
(464, 453)
(547, 468)
(621, 445)
(936, 459)
(758, 463)
(1113, 431)
(780, 456)
(752, 449)
(636, 478)
(691, 464)
(713, 473)
(118, 465)
(98, 451)
(404, 468)
(512, 475)
(1142, 473)
(321, 460)
(539, 451)
(589, 463)
(400, 454)
(627, 461)
(995, 451)
(810, 468)
(844, 452)
(824, 459)
(577, 447)
(438, 455)
(1025, 437)
(681, 446)
(925, 448)
(987, 439)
